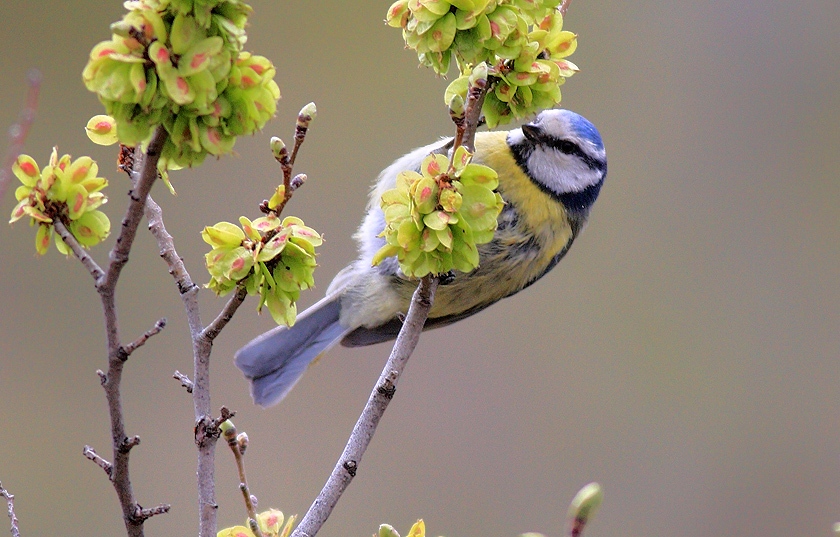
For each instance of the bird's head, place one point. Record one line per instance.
(563, 154)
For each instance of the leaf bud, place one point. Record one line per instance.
(478, 77)
(228, 429)
(121, 28)
(584, 504)
(278, 148)
(387, 530)
(297, 181)
(456, 107)
(307, 114)
(242, 442)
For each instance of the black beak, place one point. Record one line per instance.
(532, 132)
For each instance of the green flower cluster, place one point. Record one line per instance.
(180, 64)
(435, 219)
(275, 258)
(270, 523)
(521, 41)
(65, 191)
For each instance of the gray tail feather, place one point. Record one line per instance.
(275, 360)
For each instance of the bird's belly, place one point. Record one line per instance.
(505, 268)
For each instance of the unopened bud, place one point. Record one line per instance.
(478, 77)
(122, 29)
(297, 181)
(387, 530)
(307, 114)
(242, 442)
(584, 505)
(278, 148)
(228, 429)
(456, 106)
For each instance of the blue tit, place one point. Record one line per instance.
(550, 173)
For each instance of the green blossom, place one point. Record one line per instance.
(521, 42)
(435, 219)
(273, 258)
(66, 190)
(271, 523)
(181, 64)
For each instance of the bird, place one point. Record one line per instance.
(550, 171)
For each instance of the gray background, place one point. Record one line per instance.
(684, 354)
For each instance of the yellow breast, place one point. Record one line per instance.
(529, 238)
(543, 216)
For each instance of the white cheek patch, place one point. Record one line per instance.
(559, 172)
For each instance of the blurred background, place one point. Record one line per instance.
(684, 354)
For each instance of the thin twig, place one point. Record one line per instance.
(467, 125)
(145, 514)
(20, 130)
(185, 380)
(300, 134)
(10, 502)
(106, 284)
(139, 342)
(224, 414)
(212, 330)
(206, 429)
(89, 453)
(81, 254)
(238, 452)
(564, 6)
(287, 162)
(475, 101)
(346, 467)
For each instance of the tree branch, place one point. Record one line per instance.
(466, 127)
(139, 342)
(106, 283)
(346, 467)
(10, 502)
(81, 254)
(206, 433)
(142, 185)
(212, 330)
(145, 514)
(475, 101)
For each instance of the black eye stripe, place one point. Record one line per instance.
(568, 147)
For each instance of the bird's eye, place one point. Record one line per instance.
(567, 147)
